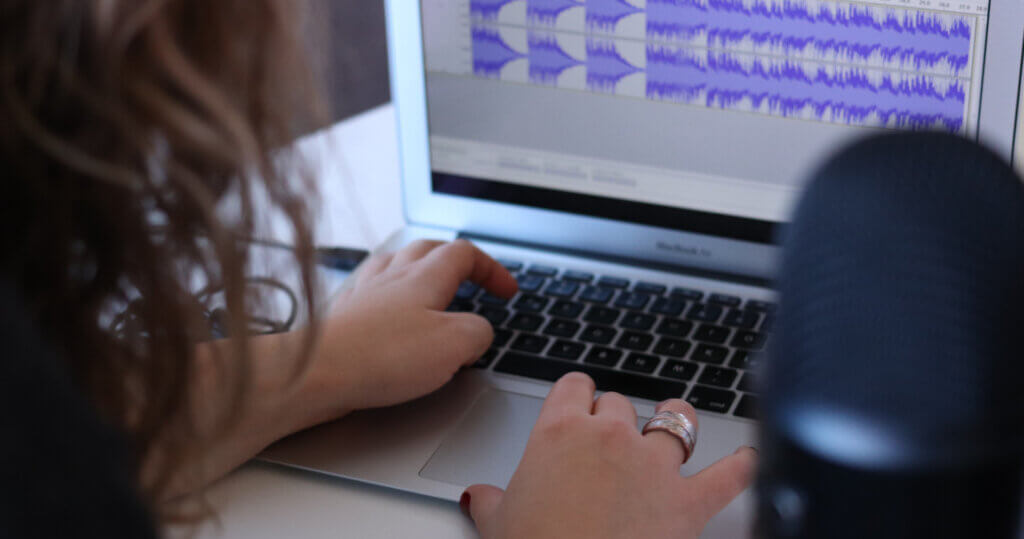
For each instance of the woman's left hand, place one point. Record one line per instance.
(389, 338)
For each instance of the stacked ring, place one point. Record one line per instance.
(677, 425)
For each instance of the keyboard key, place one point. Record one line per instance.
(530, 283)
(763, 306)
(525, 322)
(708, 353)
(562, 289)
(717, 376)
(748, 408)
(680, 370)
(491, 299)
(486, 359)
(672, 347)
(704, 312)
(674, 328)
(768, 324)
(530, 343)
(741, 319)
(748, 383)
(632, 300)
(641, 363)
(602, 315)
(528, 303)
(561, 328)
(501, 337)
(712, 399)
(649, 288)
(632, 340)
(467, 290)
(596, 294)
(712, 334)
(460, 306)
(687, 294)
(598, 334)
(511, 265)
(668, 306)
(543, 271)
(579, 276)
(567, 350)
(637, 321)
(613, 282)
(634, 385)
(494, 315)
(565, 309)
(743, 359)
(749, 340)
(724, 299)
(603, 356)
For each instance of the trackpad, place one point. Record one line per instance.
(487, 445)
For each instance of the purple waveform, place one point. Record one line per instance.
(547, 59)
(853, 32)
(547, 11)
(490, 52)
(605, 14)
(789, 90)
(487, 9)
(605, 66)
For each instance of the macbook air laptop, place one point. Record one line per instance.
(632, 162)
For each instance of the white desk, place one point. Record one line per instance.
(357, 163)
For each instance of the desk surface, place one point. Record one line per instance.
(356, 163)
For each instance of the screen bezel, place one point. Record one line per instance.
(498, 209)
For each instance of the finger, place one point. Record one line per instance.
(719, 483)
(413, 252)
(372, 267)
(571, 394)
(668, 445)
(468, 334)
(447, 266)
(481, 503)
(616, 406)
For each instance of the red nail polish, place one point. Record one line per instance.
(464, 503)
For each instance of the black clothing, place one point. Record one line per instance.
(63, 473)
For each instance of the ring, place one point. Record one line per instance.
(677, 425)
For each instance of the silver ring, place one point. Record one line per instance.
(677, 425)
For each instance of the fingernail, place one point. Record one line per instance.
(464, 503)
(750, 447)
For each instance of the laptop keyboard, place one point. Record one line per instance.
(642, 339)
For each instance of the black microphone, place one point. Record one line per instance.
(893, 390)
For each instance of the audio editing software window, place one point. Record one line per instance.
(717, 105)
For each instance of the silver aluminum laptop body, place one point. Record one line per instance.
(474, 430)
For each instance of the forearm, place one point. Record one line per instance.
(284, 393)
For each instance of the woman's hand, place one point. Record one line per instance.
(389, 339)
(588, 473)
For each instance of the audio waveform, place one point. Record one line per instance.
(788, 89)
(856, 33)
(547, 59)
(546, 12)
(487, 9)
(490, 52)
(605, 66)
(605, 14)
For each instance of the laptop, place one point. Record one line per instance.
(632, 163)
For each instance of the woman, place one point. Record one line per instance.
(137, 137)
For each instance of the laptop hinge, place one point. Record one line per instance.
(640, 263)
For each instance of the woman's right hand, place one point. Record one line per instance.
(588, 472)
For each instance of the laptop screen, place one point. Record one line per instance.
(696, 115)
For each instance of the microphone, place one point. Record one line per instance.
(893, 391)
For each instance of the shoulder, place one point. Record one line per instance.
(64, 473)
